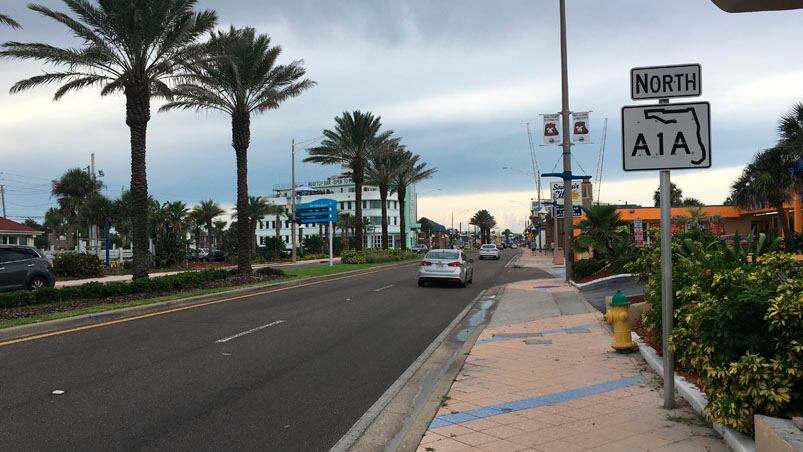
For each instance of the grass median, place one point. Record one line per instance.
(292, 274)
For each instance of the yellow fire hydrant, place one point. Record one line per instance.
(617, 316)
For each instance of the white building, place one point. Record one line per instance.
(341, 190)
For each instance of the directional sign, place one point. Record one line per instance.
(560, 212)
(318, 211)
(666, 136)
(661, 82)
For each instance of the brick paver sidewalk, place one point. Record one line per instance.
(554, 384)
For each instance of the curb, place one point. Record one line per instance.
(362, 425)
(31, 329)
(736, 441)
(607, 278)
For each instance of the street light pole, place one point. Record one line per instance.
(293, 197)
(568, 216)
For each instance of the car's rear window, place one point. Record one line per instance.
(443, 254)
(488, 247)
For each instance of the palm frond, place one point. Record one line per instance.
(8, 21)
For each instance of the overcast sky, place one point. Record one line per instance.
(457, 79)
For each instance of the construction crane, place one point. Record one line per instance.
(600, 162)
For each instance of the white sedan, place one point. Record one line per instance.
(446, 265)
(489, 251)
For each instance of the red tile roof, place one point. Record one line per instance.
(7, 225)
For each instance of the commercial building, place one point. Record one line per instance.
(342, 190)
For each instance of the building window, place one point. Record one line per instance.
(351, 207)
(261, 226)
(342, 204)
(374, 204)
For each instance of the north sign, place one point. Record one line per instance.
(663, 82)
(666, 136)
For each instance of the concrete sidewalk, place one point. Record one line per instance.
(125, 278)
(543, 377)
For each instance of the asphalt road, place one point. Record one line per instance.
(315, 359)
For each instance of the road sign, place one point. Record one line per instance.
(560, 212)
(557, 191)
(638, 232)
(666, 136)
(662, 82)
(318, 211)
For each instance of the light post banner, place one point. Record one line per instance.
(580, 125)
(552, 129)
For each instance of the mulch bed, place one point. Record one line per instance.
(27, 311)
(598, 275)
(651, 339)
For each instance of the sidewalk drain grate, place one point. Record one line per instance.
(517, 335)
(577, 330)
(538, 341)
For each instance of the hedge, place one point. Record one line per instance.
(95, 290)
(376, 256)
(738, 325)
(77, 265)
(587, 267)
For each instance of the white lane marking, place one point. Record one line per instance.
(383, 288)
(252, 330)
(58, 392)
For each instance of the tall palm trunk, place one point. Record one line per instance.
(241, 138)
(344, 236)
(252, 226)
(783, 218)
(278, 225)
(402, 219)
(138, 113)
(209, 237)
(358, 233)
(383, 196)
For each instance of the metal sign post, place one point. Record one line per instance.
(663, 137)
(331, 252)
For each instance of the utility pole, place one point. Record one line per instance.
(568, 216)
(3, 199)
(293, 196)
(93, 231)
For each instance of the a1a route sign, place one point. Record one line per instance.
(663, 82)
(666, 136)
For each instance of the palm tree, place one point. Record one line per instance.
(280, 212)
(258, 208)
(5, 20)
(675, 198)
(243, 80)
(410, 172)
(133, 47)
(791, 127)
(169, 226)
(205, 213)
(691, 202)
(427, 228)
(485, 221)
(598, 230)
(220, 227)
(72, 191)
(383, 166)
(345, 221)
(769, 180)
(355, 137)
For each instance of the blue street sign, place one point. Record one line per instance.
(318, 211)
(576, 210)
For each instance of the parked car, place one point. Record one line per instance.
(446, 265)
(489, 251)
(419, 248)
(217, 256)
(24, 267)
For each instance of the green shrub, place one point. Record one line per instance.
(270, 271)
(96, 290)
(587, 267)
(77, 265)
(352, 257)
(738, 324)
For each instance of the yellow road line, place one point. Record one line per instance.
(185, 308)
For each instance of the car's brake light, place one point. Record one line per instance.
(426, 263)
(455, 264)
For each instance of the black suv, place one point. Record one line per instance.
(24, 267)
